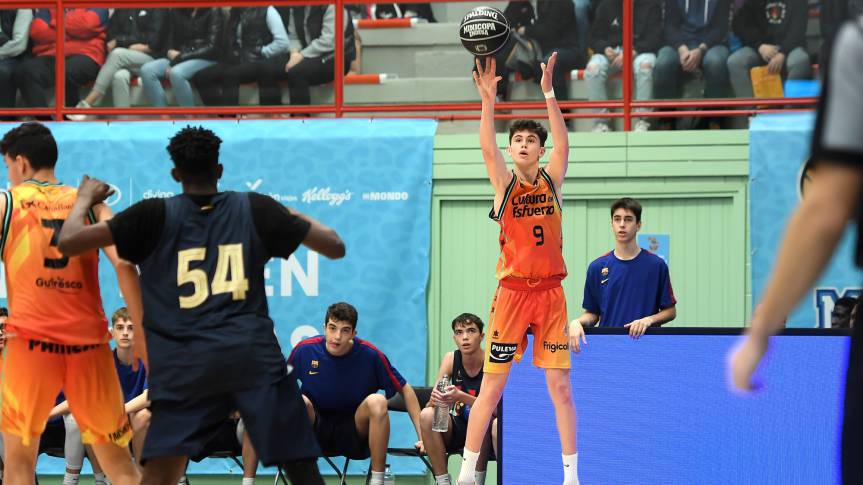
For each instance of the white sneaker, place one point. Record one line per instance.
(642, 125)
(81, 117)
(601, 128)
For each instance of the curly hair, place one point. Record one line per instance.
(531, 126)
(195, 150)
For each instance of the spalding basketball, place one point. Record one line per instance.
(484, 30)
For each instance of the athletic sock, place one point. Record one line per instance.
(479, 477)
(100, 479)
(442, 479)
(183, 480)
(248, 480)
(468, 467)
(570, 469)
(71, 478)
(377, 478)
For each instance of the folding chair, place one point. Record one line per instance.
(397, 403)
(53, 441)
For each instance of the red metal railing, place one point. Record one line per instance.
(527, 109)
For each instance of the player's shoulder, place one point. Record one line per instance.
(652, 259)
(310, 344)
(600, 262)
(368, 349)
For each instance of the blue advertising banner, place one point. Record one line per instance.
(369, 180)
(659, 410)
(778, 148)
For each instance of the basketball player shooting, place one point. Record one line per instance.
(530, 269)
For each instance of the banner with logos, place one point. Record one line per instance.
(369, 180)
(778, 149)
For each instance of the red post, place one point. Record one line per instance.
(339, 84)
(627, 64)
(60, 62)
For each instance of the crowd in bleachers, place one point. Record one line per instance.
(213, 51)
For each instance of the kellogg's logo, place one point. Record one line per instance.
(325, 194)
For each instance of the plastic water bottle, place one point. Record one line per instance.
(440, 423)
(389, 478)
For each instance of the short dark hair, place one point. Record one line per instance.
(531, 126)
(342, 312)
(4, 312)
(31, 140)
(467, 319)
(195, 152)
(627, 203)
(121, 313)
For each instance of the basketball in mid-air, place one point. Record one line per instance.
(484, 30)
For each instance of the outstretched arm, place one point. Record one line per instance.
(322, 238)
(486, 83)
(130, 288)
(559, 159)
(813, 233)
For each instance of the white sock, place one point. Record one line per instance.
(248, 480)
(468, 467)
(442, 479)
(71, 478)
(377, 478)
(183, 480)
(570, 469)
(479, 477)
(100, 479)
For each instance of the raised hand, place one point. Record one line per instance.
(94, 191)
(485, 79)
(547, 73)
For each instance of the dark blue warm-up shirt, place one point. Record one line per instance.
(338, 385)
(132, 382)
(622, 291)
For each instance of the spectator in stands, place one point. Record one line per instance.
(194, 38)
(552, 26)
(133, 39)
(254, 35)
(311, 58)
(695, 37)
(629, 286)
(84, 50)
(341, 376)
(464, 367)
(584, 18)
(606, 41)
(841, 315)
(14, 33)
(399, 10)
(773, 33)
(133, 381)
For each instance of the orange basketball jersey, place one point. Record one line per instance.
(531, 239)
(51, 296)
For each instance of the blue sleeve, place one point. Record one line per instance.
(591, 292)
(389, 379)
(666, 293)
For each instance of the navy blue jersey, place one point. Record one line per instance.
(202, 281)
(620, 291)
(132, 382)
(338, 385)
(464, 382)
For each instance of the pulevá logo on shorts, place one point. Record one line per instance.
(502, 353)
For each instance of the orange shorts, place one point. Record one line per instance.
(34, 372)
(517, 307)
